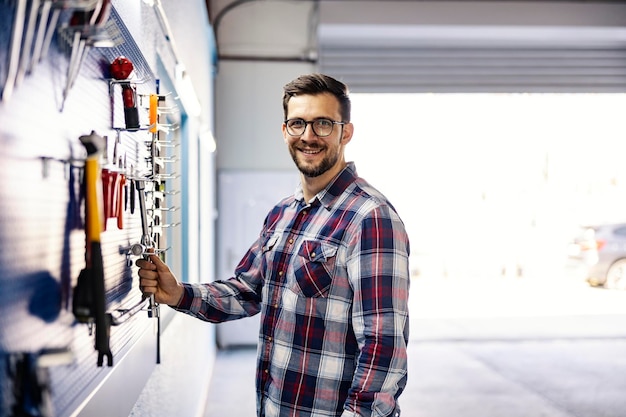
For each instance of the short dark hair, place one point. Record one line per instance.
(313, 84)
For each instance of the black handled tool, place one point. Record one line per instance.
(89, 302)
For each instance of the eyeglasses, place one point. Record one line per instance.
(321, 127)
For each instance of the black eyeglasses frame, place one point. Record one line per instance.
(311, 122)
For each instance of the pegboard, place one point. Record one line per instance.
(42, 208)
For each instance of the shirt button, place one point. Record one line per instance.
(276, 305)
(280, 273)
(290, 240)
(312, 254)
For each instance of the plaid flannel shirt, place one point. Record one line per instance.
(331, 279)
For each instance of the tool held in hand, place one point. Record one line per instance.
(145, 248)
(147, 245)
(89, 301)
(121, 68)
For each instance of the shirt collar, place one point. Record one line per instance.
(334, 188)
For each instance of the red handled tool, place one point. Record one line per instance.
(121, 197)
(121, 68)
(113, 187)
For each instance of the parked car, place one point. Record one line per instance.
(601, 251)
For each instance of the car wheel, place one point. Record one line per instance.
(616, 275)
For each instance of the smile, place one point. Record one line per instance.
(311, 151)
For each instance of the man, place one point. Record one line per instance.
(329, 274)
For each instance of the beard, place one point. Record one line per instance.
(312, 171)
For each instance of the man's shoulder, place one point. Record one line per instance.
(362, 189)
(369, 200)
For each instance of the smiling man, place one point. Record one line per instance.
(329, 275)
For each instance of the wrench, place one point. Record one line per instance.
(146, 239)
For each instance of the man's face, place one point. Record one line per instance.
(313, 155)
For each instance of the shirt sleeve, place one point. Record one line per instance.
(379, 273)
(231, 299)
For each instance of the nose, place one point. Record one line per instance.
(308, 133)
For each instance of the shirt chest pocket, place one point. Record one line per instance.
(313, 269)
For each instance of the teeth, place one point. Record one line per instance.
(311, 151)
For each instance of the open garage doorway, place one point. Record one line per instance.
(494, 185)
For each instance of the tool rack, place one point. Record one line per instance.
(53, 73)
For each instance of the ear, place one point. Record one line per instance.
(348, 131)
(285, 134)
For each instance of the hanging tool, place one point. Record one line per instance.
(125, 185)
(72, 69)
(132, 193)
(95, 33)
(121, 195)
(113, 180)
(113, 187)
(31, 386)
(17, 32)
(121, 316)
(50, 29)
(153, 113)
(108, 194)
(85, 26)
(121, 69)
(89, 303)
(40, 34)
(30, 381)
(27, 43)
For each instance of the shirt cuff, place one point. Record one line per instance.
(187, 299)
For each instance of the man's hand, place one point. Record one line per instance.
(156, 278)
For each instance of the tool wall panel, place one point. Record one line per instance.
(47, 358)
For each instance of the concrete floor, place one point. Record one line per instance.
(507, 348)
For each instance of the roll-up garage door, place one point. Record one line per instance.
(376, 59)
